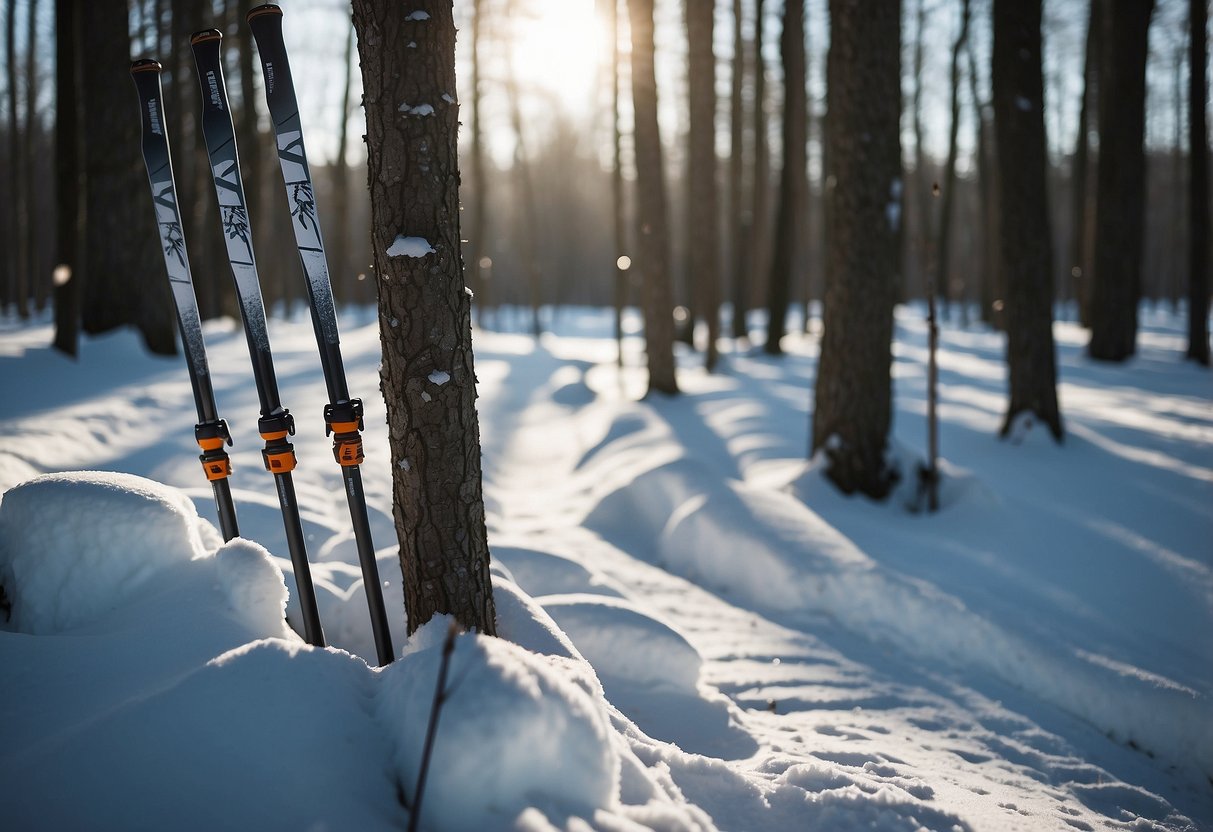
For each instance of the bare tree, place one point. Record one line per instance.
(853, 394)
(793, 181)
(479, 215)
(738, 227)
(760, 197)
(702, 214)
(29, 241)
(1026, 246)
(1120, 202)
(428, 378)
(18, 268)
(652, 224)
(1198, 185)
(68, 273)
(943, 249)
(617, 213)
(121, 282)
(1082, 234)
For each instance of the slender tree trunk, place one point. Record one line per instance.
(1026, 238)
(621, 272)
(428, 378)
(652, 223)
(18, 268)
(943, 261)
(69, 274)
(479, 216)
(1120, 205)
(760, 235)
(738, 227)
(987, 175)
(789, 225)
(853, 393)
(33, 268)
(529, 233)
(703, 215)
(1081, 234)
(340, 266)
(1198, 185)
(251, 144)
(924, 238)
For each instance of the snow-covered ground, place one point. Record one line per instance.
(699, 631)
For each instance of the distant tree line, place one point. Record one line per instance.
(755, 203)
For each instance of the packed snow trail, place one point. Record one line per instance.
(953, 717)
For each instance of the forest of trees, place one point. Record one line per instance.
(713, 180)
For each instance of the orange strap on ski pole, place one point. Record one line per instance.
(278, 454)
(211, 437)
(344, 421)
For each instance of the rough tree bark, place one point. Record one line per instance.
(703, 218)
(428, 378)
(793, 180)
(853, 394)
(1121, 186)
(652, 223)
(1198, 184)
(1026, 246)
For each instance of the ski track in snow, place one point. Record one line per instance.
(779, 714)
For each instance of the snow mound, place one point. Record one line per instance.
(253, 586)
(522, 620)
(75, 545)
(623, 643)
(516, 731)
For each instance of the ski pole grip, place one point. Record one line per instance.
(146, 65)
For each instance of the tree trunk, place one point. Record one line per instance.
(738, 228)
(1026, 246)
(1198, 184)
(1080, 235)
(428, 378)
(123, 283)
(33, 270)
(620, 224)
(923, 239)
(14, 292)
(1120, 201)
(339, 265)
(988, 281)
(652, 224)
(703, 217)
(69, 275)
(943, 261)
(528, 234)
(853, 395)
(793, 184)
(479, 215)
(760, 253)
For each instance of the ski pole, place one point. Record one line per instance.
(211, 432)
(343, 415)
(276, 422)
